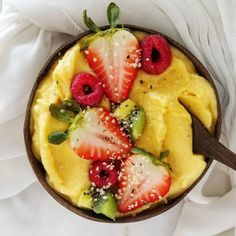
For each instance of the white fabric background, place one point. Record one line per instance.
(31, 30)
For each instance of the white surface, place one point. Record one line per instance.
(31, 30)
(34, 212)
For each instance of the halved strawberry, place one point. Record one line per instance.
(113, 54)
(115, 58)
(142, 181)
(97, 135)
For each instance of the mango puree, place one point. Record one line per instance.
(168, 124)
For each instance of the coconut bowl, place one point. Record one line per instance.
(40, 171)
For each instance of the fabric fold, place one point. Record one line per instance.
(15, 174)
(214, 220)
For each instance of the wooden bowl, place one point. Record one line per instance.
(39, 169)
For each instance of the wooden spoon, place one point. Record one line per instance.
(208, 145)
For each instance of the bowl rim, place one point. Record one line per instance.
(38, 167)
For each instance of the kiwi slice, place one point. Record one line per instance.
(106, 205)
(86, 200)
(101, 204)
(137, 120)
(124, 109)
(132, 117)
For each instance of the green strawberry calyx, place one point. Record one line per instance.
(113, 15)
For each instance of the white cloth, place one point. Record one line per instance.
(31, 30)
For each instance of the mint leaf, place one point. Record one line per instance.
(113, 13)
(72, 105)
(57, 137)
(89, 22)
(60, 113)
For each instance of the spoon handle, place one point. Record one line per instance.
(208, 145)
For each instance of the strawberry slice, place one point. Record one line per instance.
(142, 181)
(97, 135)
(114, 57)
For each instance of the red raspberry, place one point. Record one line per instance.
(156, 54)
(87, 89)
(103, 174)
